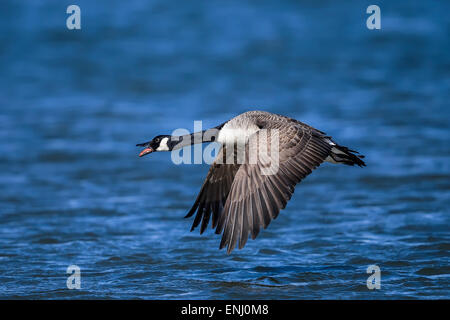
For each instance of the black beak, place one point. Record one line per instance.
(144, 144)
(147, 149)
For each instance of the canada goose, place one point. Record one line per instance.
(238, 196)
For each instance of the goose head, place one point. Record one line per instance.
(158, 143)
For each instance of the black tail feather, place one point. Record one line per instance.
(347, 156)
(144, 144)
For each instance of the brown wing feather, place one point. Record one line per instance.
(254, 198)
(213, 194)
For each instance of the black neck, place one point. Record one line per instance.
(210, 135)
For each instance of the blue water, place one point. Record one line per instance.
(75, 103)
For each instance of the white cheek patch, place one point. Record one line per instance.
(163, 145)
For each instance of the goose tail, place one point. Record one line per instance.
(344, 155)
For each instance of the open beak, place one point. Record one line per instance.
(145, 151)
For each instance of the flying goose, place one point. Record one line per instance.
(238, 196)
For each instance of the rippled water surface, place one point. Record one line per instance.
(74, 103)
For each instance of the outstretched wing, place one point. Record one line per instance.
(255, 198)
(214, 192)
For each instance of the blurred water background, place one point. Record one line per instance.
(73, 104)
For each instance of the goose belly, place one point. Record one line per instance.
(232, 135)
